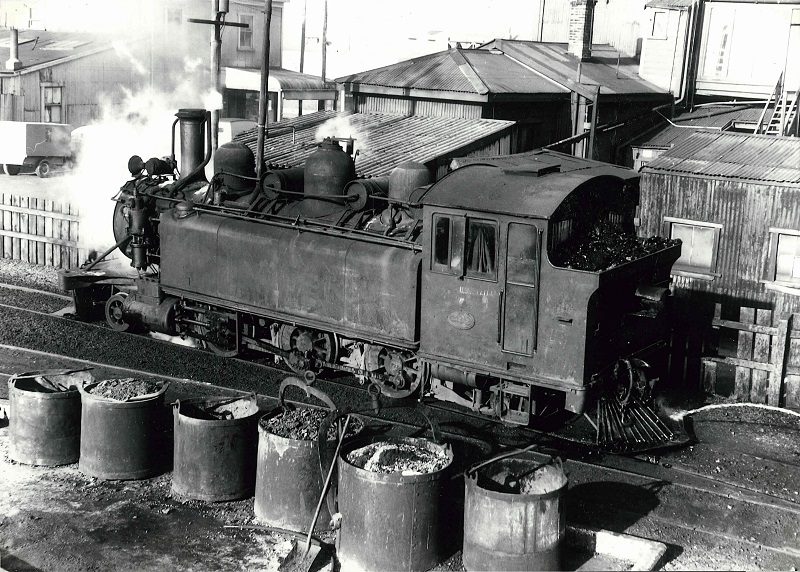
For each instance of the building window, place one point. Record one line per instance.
(784, 263)
(699, 245)
(246, 34)
(51, 104)
(174, 16)
(659, 29)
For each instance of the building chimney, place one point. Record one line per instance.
(581, 18)
(13, 63)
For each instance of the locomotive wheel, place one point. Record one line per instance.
(307, 348)
(402, 371)
(225, 336)
(114, 314)
(43, 169)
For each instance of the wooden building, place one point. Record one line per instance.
(734, 201)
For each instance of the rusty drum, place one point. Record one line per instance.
(214, 448)
(45, 417)
(514, 516)
(391, 521)
(123, 439)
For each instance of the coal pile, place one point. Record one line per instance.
(405, 458)
(125, 389)
(303, 424)
(606, 246)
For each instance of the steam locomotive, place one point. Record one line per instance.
(452, 288)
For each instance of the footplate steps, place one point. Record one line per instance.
(631, 428)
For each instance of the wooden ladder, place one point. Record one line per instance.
(780, 114)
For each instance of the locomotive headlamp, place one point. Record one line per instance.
(135, 165)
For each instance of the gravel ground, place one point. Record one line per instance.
(31, 300)
(31, 275)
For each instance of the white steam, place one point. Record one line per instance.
(343, 128)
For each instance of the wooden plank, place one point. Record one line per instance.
(23, 229)
(791, 391)
(760, 379)
(745, 363)
(6, 198)
(780, 345)
(753, 328)
(34, 210)
(75, 254)
(25, 237)
(64, 235)
(48, 232)
(744, 351)
(40, 231)
(709, 376)
(15, 228)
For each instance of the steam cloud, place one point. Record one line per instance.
(342, 127)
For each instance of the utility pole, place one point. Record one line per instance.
(324, 39)
(219, 9)
(263, 96)
(302, 48)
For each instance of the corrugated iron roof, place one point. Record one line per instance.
(712, 118)
(382, 140)
(613, 72)
(675, 4)
(458, 70)
(757, 158)
(37, 47)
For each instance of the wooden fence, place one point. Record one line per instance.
(767, 361)
(39, 231)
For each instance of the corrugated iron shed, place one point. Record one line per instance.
(40, 48)
(674, 4)
(382, 141)
(713, 118)
(480, 72)
(755, 158)
(615, 73)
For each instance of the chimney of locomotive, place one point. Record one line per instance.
(581, 23)
(13, 63)
(193, 125)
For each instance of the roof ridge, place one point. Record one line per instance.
(468, 71)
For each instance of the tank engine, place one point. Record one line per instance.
(456, 288)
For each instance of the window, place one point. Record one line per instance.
(784, 263)
(51, 104)
(481, 249)
(246, 34)
(700, 241)
(659, 30)
(472, 252)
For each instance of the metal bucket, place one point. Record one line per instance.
(288, 481)
(513, 531)
(45, 422)
(123, 439)
(390, 521)
(214, 458)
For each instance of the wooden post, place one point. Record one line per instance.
(780, 345)
(758, 390)
(744, 351)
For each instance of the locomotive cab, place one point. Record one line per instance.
(506, 320)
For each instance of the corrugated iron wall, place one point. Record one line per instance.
(405, 106)
(746, 211)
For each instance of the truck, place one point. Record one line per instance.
(29, 147)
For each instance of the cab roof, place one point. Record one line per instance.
(528, 184)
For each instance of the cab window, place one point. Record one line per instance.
(481, 249)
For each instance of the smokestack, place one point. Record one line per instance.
(581, 18)
(13, 63)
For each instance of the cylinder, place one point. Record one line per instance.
(192, 129)
(406, 177)
(123, 439)
(44, 424)
(214, 458)
(288, 482)
(284, 180)
(510, 530)
(390, 521)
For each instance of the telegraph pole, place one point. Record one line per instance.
(219, 9)
(302, 48)
(263, 96)
(324, 39)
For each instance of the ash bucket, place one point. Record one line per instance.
(123, 438)
(45, 416)
(392, 520)
(514, 515)
(214, 448)
(290, 469)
